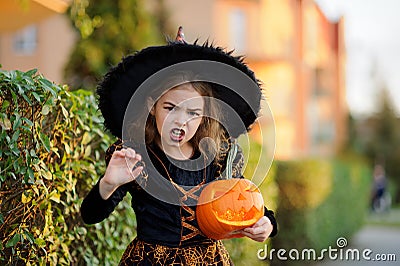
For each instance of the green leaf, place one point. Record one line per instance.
(37, 97)
(12, 175)
(45, 140)
(45, 110)
(31, 174)
(30, 237)
(88, 151)
(55, 196)
(25, 199)
(20, 90)
(16, 166)
(15, 150)
(14, 96)
(5, 123)
(27, 129)
(17, 121)
(26, 99)
(64, 111)
(48, 86)
(81, 230)
(15, 136)
(40, 242)
(67, 148)
(47, 174)
(26, 120)
(86, 138)
(13, 241)
(31, 72)
(5, 105)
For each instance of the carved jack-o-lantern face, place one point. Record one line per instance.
(225, 206)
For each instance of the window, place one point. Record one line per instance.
(320, 82)
(237, 24)
(25, 41)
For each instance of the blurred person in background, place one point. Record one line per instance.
(380, 199)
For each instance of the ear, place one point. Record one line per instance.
(150, 105)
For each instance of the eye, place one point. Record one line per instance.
(191, 113)
(171, 108)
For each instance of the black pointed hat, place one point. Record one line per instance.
(123, 80)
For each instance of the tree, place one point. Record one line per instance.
(382, 135)
(108, 31)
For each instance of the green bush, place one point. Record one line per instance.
(320, 201)
(51, 153)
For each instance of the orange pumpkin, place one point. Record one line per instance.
(225, 206)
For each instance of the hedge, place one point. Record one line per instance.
(320, 201)
(51, 153)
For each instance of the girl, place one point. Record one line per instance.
(187, 141)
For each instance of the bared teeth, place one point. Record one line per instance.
(177, 132)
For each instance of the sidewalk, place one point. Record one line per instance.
(382, 240)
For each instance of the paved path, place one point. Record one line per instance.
(383, 241)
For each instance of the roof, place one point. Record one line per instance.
(18, 14)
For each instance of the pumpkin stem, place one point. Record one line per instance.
(229, 161)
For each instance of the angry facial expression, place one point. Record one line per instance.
(178, 114)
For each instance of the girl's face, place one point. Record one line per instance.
(178, 114)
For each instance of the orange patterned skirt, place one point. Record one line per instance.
(141, 253)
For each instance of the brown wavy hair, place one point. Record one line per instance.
(209, 128)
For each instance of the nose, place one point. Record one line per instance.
(181, 119)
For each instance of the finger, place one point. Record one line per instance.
(263, 220)
(133, 162)
(130, 153)
(120, 153)
(246, 234)
(257, 237)
(132, 158)
(254, 231)
(250, 235)
(136, 172)
(235, 232)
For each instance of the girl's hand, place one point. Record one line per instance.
(260, 231)
(119, 171)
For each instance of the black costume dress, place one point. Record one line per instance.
(167, 234)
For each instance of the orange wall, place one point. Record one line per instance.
(55, 39)
(290, 45)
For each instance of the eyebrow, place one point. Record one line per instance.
(189, 109)
(195, 109)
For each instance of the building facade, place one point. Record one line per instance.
(294, 50)
(298, 55)
(41, 37)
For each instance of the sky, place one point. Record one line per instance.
(372, 38)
